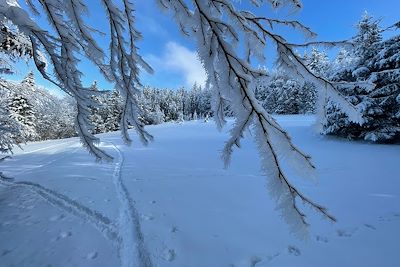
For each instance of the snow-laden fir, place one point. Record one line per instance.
(173, 204)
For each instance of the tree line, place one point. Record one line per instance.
(35, 114)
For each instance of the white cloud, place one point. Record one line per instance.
(179, 59)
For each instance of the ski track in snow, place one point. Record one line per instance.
(45, 148)
(129, 237)
(53, 159)
(132, 250)
(100, 222)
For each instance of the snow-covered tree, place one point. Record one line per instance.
(13, 45)
(65, 118)
(29, 80)
(368, 38)
(343, 64)
(221, 30)
(97, 110)
(114, 109)
(22, 111)
(10, 129)
(197, 99)
(152, 109)
(279, 94)
(54, 117)
(317, 62)
(377, 61)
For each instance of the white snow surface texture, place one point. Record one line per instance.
(173, 204)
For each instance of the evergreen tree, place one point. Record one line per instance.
(377, 61)
(368, 39)
(343, 65)
(280, 94)
(205, 102)
(152, 106)
(10, 129)
(29, 81)
(317, 62)
(23, 113)
(98, 110)
(114, 110)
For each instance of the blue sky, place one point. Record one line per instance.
(173, 56)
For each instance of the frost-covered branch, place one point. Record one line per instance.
(219, 28)
(73, 38)
(290, 61)
(125, 65)
(222, 33)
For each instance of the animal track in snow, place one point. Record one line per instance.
(62, 235)
(5, 252)
(322, 239)
(92, 255)
(147, 217)
(169, 254)
(294, 251)
(346, 232)
(57, 217)
(389, 218)
(254, 260)
(65, 234)
(369, 226)
(273, 256)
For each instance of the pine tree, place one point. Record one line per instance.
(97, 121)
(205, 108)
(317, 62)
(113, 113)
(29, 81)
(280, 94)
(382, 104)
(23, 113)
(377, 61)
(368, 38)
(10, 129)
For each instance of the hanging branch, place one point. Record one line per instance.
(218, 29)
(73, 38)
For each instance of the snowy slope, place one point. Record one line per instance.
(172, 203)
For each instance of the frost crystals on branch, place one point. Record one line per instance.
(219, 29)
(73, 37)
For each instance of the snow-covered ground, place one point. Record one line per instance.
(172, 203)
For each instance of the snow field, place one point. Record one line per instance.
(172, 203)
